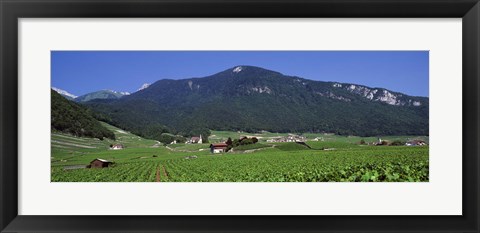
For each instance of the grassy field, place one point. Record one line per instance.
(336, 158)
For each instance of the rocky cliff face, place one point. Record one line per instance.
(380, 95)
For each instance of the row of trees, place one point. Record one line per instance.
(240, 142)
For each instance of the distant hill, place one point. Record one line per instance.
(70, 117)
(65, 94)
(249, 98)
(103, 94)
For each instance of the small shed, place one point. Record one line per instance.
(99, 163)
(218, 147)
(117, 147)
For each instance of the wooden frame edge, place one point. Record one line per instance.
(10, 11)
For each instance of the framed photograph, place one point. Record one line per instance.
(310, 116)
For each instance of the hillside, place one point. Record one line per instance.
(248, 98)
(72, 118)
(65, 145)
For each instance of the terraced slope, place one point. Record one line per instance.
(69, 149)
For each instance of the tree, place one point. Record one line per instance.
(397, 143)
(167, 138)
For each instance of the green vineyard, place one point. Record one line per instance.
(271, 165)
(334, 159)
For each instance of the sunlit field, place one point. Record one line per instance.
(331, 158)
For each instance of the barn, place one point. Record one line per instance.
(116, 147)
(99, 163)
(218, 148)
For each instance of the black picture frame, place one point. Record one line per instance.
(11, 11)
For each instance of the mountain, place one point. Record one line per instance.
(103, 94)
(64, 93)
(249, 98)
(70, 117)
(144, 86)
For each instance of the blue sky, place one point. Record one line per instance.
(81, 72)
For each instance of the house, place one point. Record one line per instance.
(99, 163)
(218, 147)
(116, 147)
(274, 139)
(195, 140)
(415, 143)
(289, 138)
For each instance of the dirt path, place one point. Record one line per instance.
(165, 173)
(158, 175)
(157, 145)
(121, 131)
(253, 150)
(70, 137)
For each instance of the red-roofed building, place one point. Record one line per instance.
(218, 147)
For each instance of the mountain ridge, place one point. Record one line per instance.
(253, 99)
(374, 94)
(64, 93)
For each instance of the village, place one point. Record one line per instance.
(226, 146)
(223, 145)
